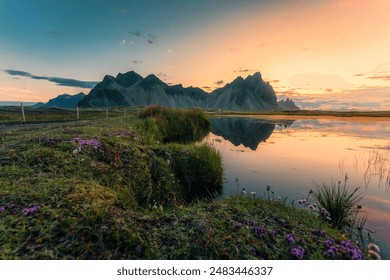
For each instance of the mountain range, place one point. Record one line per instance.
(62, 101)
(131, 89)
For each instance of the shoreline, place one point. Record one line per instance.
(358, 116)
(307, 117)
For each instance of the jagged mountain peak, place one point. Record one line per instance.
(237, 80)
(255, 77)
(153, 78)
(108, 79)
(128, 79)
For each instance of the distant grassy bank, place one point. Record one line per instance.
(138, 187)
(13, 115)
(358, 115)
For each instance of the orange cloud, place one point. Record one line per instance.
(383, 78)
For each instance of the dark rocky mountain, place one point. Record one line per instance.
(130, 89)
(288, 105)
(62, 101)
(250, 94)
(38, 105)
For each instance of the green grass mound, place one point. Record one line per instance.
(174, 125)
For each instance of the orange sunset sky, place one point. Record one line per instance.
(325, 54)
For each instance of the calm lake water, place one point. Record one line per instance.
(290, 155)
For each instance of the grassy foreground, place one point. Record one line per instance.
(132, 188)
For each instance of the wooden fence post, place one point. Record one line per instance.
(23, 115)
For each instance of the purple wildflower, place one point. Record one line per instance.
(297, 252)
(329, 242)
(323, 233)
(138, 248)
(330, 254)
(252, 251)
(260, 230)
(314, 237)
(302, 201)
(315, 231)
(290, 238)
(301, 241)
(12, 208)
(357, 255)
(237, 225)
(251, 222)
(348, 247)
(30, 210)
(2, 209)
(272, 232)
(85, 142)
(325, 212)
(238, 247)
(50, 139)
(121, 134)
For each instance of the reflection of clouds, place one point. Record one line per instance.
(372, 129)
(359, 99)
(383, 201)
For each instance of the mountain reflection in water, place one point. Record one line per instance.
(245, 131)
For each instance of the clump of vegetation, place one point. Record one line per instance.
(341, 203)
(339, 207)
(197, 168)
(175, 125)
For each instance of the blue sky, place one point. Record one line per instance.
(51, 47)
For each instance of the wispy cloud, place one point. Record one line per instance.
(357, 99)
(234, 49)
(135, 61)
(317, 81)
(53, 32)
(308, 49)
(151, 38)
(121, 10)
(244, 70)
(122, 42)
(148, 38)
(359, 75)
(383, 77)
(66, 82)
(135, 33)
(219, 82)
(164, 76)
(262, 45)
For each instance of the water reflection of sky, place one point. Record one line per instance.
(291, 156)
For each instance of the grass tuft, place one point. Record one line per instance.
(339, 201)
